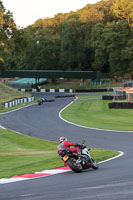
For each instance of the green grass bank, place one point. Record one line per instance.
(96, 114)
(20, 154)
(8, 93)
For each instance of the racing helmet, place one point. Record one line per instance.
(63, 139)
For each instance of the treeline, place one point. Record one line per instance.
(97, 37)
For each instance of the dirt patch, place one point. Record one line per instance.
(26, 153)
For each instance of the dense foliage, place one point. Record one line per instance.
(97, 37)
(7, 30)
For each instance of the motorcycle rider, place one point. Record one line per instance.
(65, 145)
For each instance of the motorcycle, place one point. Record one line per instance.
(79, 163)
(42, 100)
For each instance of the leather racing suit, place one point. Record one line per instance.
(65, 145)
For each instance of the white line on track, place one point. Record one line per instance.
(2, 127)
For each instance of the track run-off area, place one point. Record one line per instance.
(112, 181)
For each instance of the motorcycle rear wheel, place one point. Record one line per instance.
(72, 163)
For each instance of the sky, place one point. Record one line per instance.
(26, 12)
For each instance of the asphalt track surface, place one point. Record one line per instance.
(112, 181)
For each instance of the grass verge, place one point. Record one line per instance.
(8, 93)
(3, 109)
(96, 114)
(21, 154)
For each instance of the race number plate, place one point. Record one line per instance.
(65, 158)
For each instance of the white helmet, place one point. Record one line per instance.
(63, 139)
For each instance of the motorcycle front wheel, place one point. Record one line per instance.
(72, 163)
(94, 164)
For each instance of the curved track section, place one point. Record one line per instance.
(113, 180)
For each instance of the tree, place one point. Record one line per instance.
(108, 42)
(7, 27)
(93, 38)
(18, 45)
(98, 43)
(116, 36)
(105, 7)
(72, 49)
(123, 9)
(127, 54)
(42, 52)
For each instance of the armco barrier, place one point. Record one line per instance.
(17, 101)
